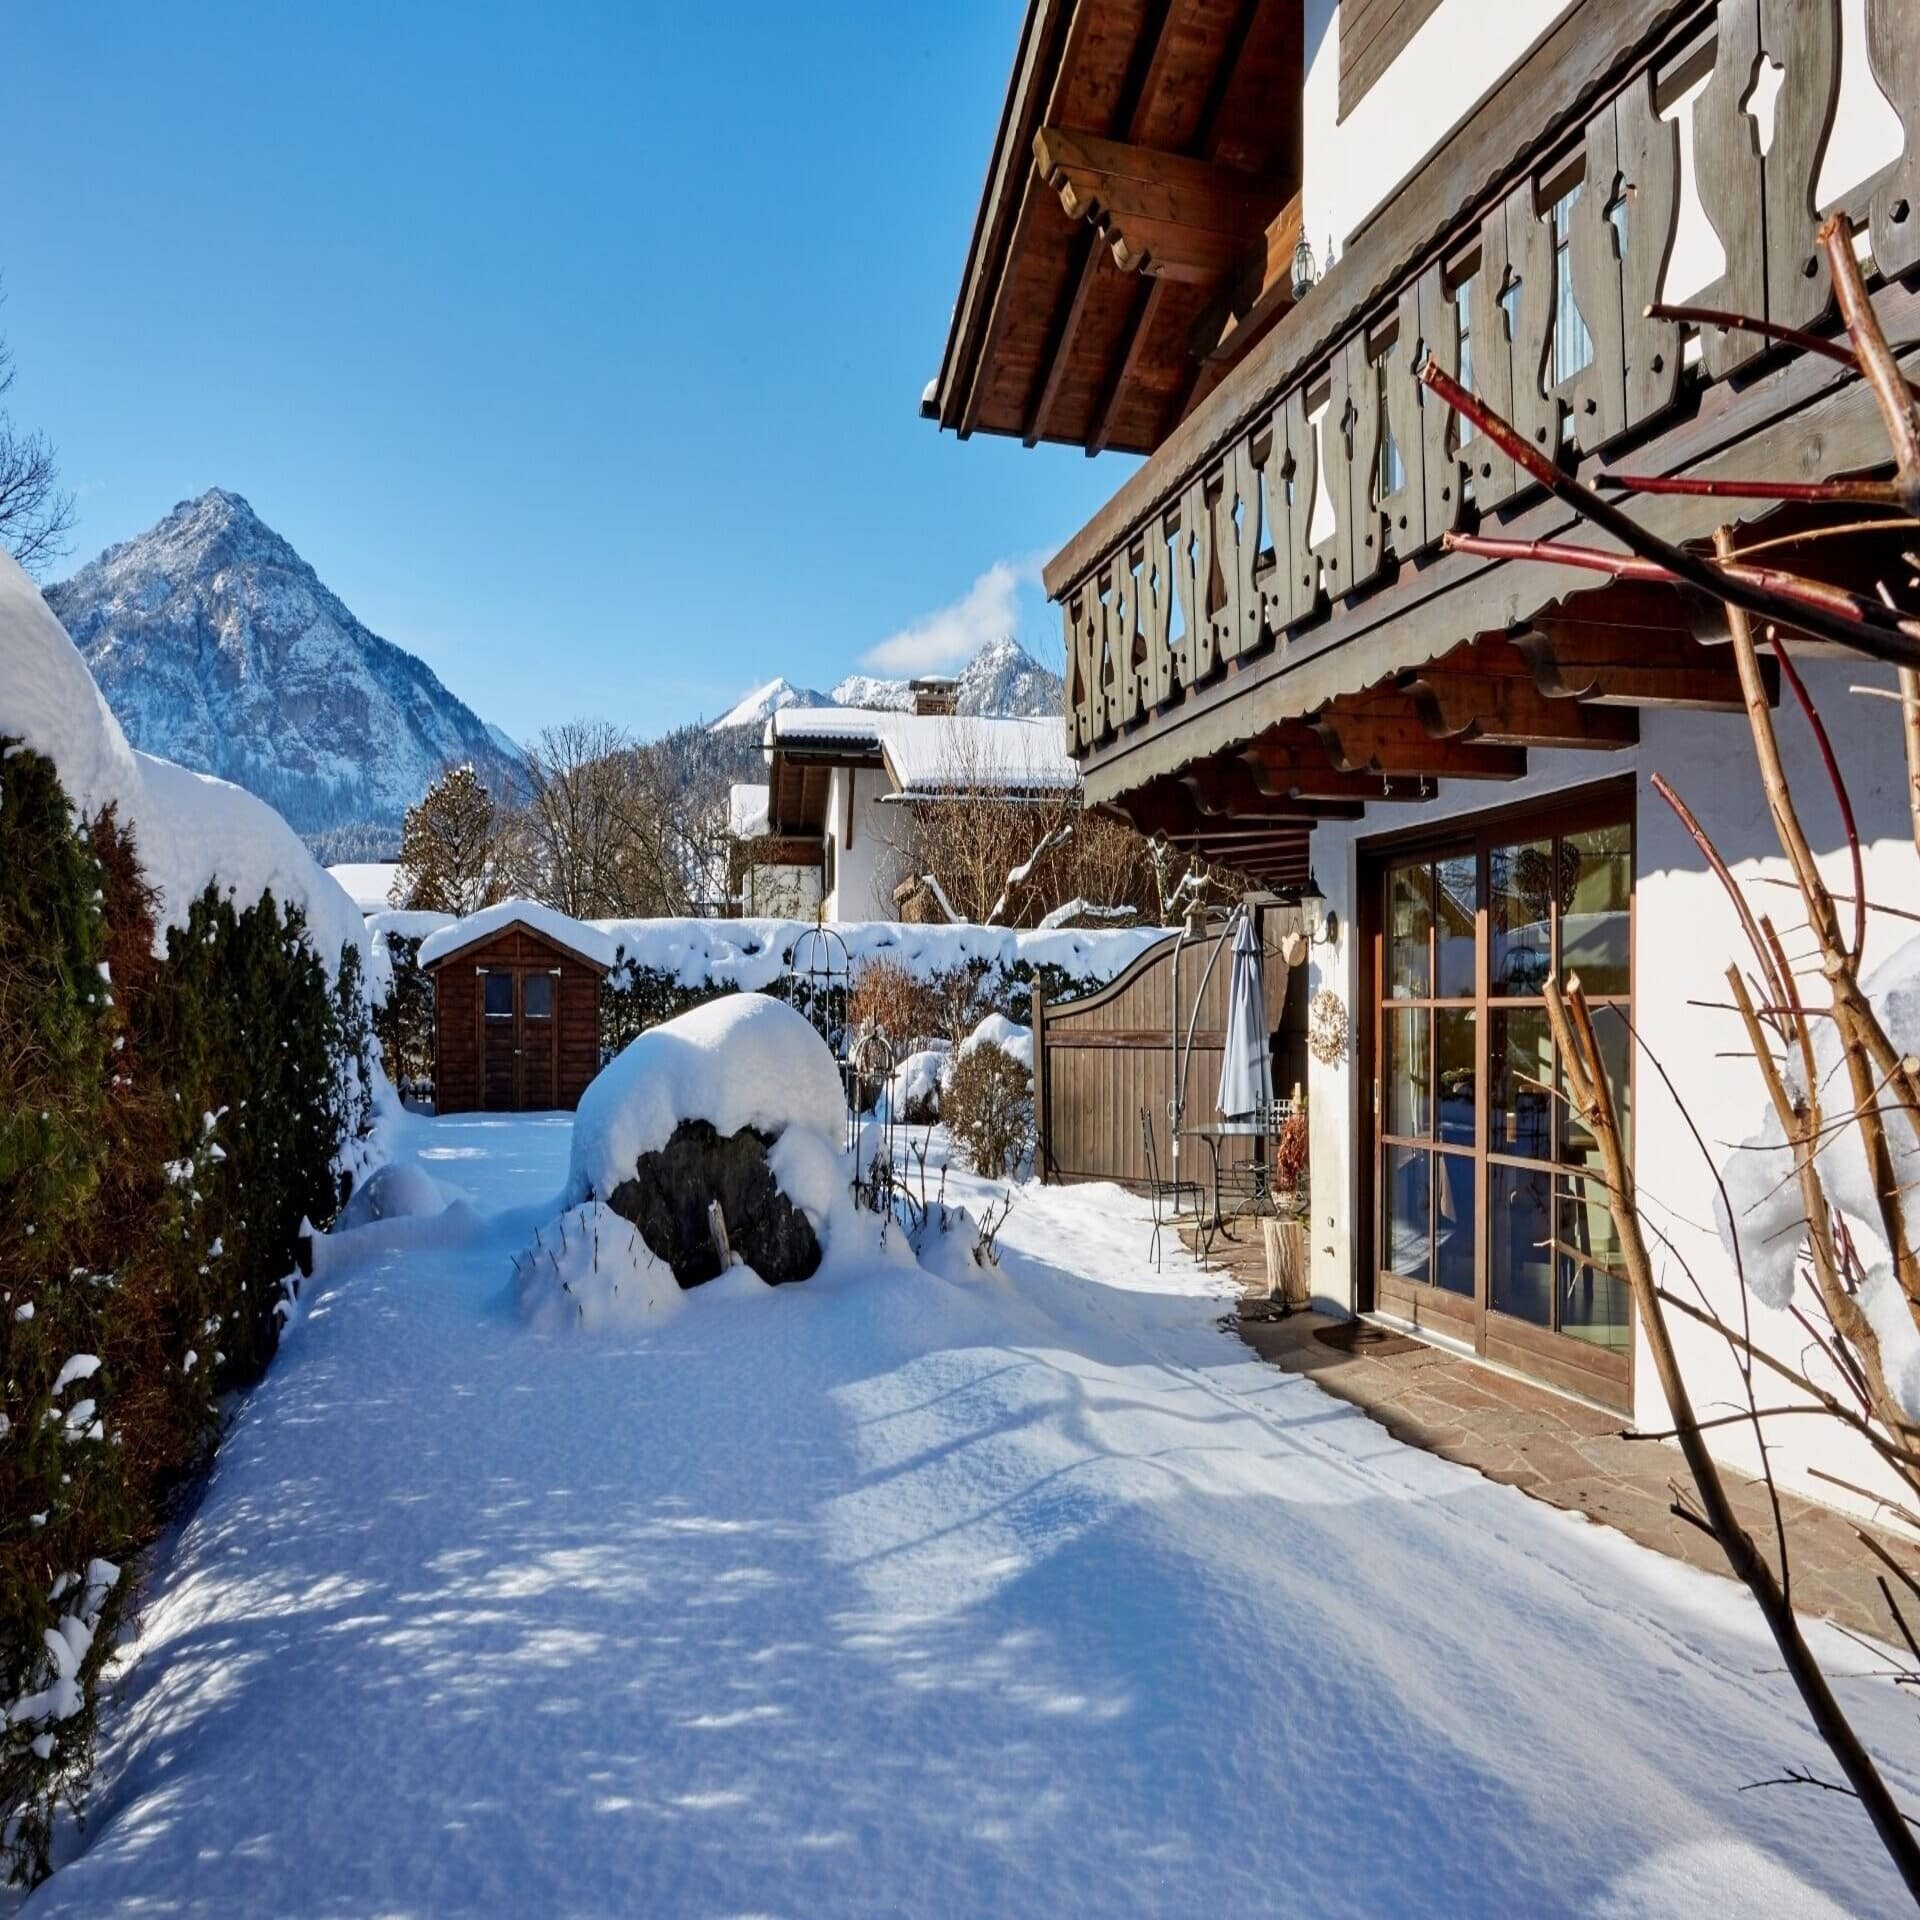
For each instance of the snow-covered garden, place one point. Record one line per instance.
(937, 1582)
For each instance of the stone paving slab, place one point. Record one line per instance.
(1573, 1456)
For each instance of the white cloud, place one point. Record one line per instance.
(950, 637)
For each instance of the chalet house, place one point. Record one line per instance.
(1223, 237)
(831, 828)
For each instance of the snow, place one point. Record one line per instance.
(752, 709)
(1764, 1212)
(996, 1030)
(368, 883)
(752, 954)
(930, 753)
(911, 1590)
(588, 1271)
(740, 1061)
(190, 829)
(747, 810)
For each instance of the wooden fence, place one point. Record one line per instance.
(1098, 1061)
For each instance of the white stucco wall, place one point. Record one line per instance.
(866, 865)
(1686, 935)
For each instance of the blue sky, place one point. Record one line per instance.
(578, 347)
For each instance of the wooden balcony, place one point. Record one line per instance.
(1270, 591)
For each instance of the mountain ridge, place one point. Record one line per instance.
(1001, 678)
(218, 646)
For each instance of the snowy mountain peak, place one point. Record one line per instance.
(753, 709)
(1002, 678)
(219, 647)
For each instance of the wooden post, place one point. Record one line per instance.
(1042, 1144)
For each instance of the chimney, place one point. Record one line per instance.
(934, 694)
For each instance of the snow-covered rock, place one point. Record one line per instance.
(400, 1190)
(190, 829)
(741, 1061)
(217, 645)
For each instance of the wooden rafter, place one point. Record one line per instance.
(1385, 732)
(1164, 214)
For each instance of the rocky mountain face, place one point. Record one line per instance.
(1002, 678)
(217, 646)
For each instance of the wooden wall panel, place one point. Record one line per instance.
(1373, 34)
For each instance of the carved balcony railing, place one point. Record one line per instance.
(1338, 478)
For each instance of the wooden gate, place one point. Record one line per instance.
(1098, 1061)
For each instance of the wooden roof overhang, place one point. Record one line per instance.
(1211, 626)
(490, 938)
(1137, 228)
(800, 776)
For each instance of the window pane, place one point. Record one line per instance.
(1593, 1284)
(1521, 1118)
(1616, 1050)
(536, 996)
(1409, 1176)
(1409, 1072)
(1520, 917)
(1594, 930)
(1522, 1214)
(1409, 922)
(1453, 1222)
(1457, 883)
(499, 996)
(1455, 1036)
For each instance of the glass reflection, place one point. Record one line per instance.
(1456, 893)
(1522, 1065)
(1520, 891)
(1519, 1226)
(1409, 926)
(1453, 1254)
(1595, 928)
(1455, 1030)
(1593, 1285)
(1409, 1073)
(1409, 1183)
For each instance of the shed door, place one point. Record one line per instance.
(499, 1040)
(539, 1038)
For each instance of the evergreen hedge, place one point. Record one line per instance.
(166, 1124)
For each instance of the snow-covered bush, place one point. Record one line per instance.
(589, 1270)
(184, 1064)
(987, 1104)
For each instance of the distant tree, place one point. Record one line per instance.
(448, 847)
(35, 515)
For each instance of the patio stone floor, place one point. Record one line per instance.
(1573, 1456)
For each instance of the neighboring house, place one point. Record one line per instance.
(770, 876)
(1224, 238)
(842, 781)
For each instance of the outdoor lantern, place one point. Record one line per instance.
(1305, 272)
(1313, 910)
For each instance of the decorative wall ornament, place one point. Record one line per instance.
(1327, 1028)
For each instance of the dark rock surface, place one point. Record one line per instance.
(668, 1196)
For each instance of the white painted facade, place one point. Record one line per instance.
(863, 861)
(1686, 935)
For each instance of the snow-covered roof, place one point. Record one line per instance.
(747, 811)
(752, 954)
(368, 882)
(190, 829)
(933, 752)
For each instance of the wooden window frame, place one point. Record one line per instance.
(1598, 1372)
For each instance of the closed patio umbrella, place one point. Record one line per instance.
(1246, 1073)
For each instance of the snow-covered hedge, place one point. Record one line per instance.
(660, 968)
(184, 1068)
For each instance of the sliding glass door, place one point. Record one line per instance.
(1491, 1226)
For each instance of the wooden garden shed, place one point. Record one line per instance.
(516, 1023)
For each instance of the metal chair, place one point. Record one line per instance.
(1165, 1194)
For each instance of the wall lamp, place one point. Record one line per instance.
(1320, 923)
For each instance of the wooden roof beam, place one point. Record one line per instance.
(1259, 291)
(1634, 666)
(1227, 789)
(1161, 213)
(1386, 733)
(1509, 710)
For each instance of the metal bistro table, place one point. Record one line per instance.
(1251, 1186)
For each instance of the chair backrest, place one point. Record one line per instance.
(1146, 1137)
